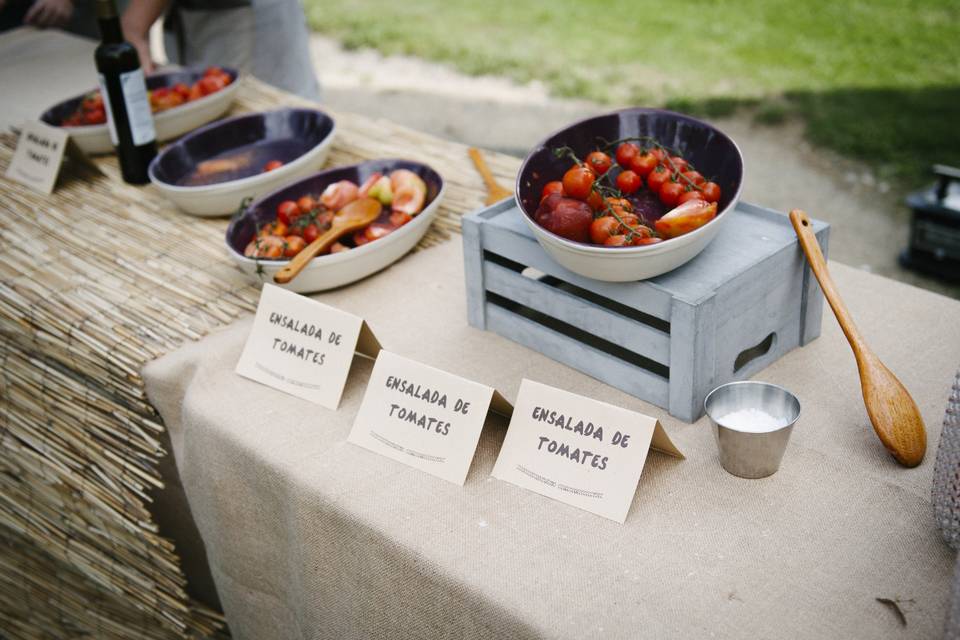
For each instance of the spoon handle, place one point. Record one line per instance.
(492, 185)
(308, 253)
(808, 241)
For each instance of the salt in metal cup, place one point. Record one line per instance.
(746, 450)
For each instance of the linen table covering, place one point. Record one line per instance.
(309, 536)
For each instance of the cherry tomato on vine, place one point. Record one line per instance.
(620, 206)
(710, 191)
(293, 246)
(311, 233)
(578, 181)
(679, 164)
(628, 182)
(616, 241)
(643, 164)
(603, 228)
(659, 154)
(640, 241)
(670, 193)
(627, 152)
(599, 162)
(629, 223)
(306, 204)
(657, 177)
(287, 211)
(693, 194)
(595, 200)
(551, 187)
(694, 177)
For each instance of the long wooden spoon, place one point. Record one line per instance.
(352, 217)
(892, 411)
(495, 193)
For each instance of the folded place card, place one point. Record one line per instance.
(38, 156)
(303, 347)
(424, 417)
(577, 450)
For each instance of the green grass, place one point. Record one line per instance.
(878, 80)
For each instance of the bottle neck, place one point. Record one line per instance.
(110, 30)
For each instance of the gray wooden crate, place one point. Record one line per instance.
(746, 300)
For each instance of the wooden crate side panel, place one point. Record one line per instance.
(767, 300)
(592, 362)
(527, 251)
(473, 272)
(692, 357)
(583, 314)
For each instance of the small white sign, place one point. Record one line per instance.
(424, 417)
(303, 347)
(39, 154)
(586, 453)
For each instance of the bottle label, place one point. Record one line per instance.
(134, 88)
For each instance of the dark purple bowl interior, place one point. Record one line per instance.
(712, 152)
(62, 110)
(242, 229)
(284, 135)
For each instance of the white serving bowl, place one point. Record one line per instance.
(337, 269)
(710, 150)
(293, 129)
(169, 124)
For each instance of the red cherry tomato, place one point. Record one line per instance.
(670, 193)
(287, 211)
(693, 194)
(626, 152)
(656, 178)
(294, 245)
(273, 164)
(659, 154)
(360, 238)
(678, 164)
(96, 116)
(578, 181)
(630, 223)
(694, 177)
(599, 162)
(620, 206)
(628, 182)
(276, 228)
(311, 233)
(710, 191)
(213, 71)
(306, 204)
(643, 164)
(616, 241)
(595, 200)
(603, 228)
(400, 218)
(551, 187)
(640, 241)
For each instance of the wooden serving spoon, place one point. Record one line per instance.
(353, 217)
(495, 193)
(892, 411)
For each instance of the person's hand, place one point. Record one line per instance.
(136, 22)
(49, 13)
(142, 44)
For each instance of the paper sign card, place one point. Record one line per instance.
(303, 347)
(586, 453)
(423, 417)
(39, 154)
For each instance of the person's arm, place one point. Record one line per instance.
(49, 13)
(136, 22)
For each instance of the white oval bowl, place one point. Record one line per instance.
(627, 264)
(338, 269)
(224, 198)
(172, 123)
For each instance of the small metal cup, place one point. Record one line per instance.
(749, 454)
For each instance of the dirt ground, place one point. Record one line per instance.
(869, 221)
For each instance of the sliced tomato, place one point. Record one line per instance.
(690, 215)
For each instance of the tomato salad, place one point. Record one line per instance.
(299, 222)
(615, 201)
(92, 110)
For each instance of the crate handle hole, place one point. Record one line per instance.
(749, 355)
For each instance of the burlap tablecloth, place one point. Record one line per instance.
(309, 536)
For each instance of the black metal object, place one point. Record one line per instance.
(935, 228)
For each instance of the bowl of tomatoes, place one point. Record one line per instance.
(275, 228)
(631, 194)
(211, 171)
(181, 100)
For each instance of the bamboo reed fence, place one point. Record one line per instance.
(95, 281)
